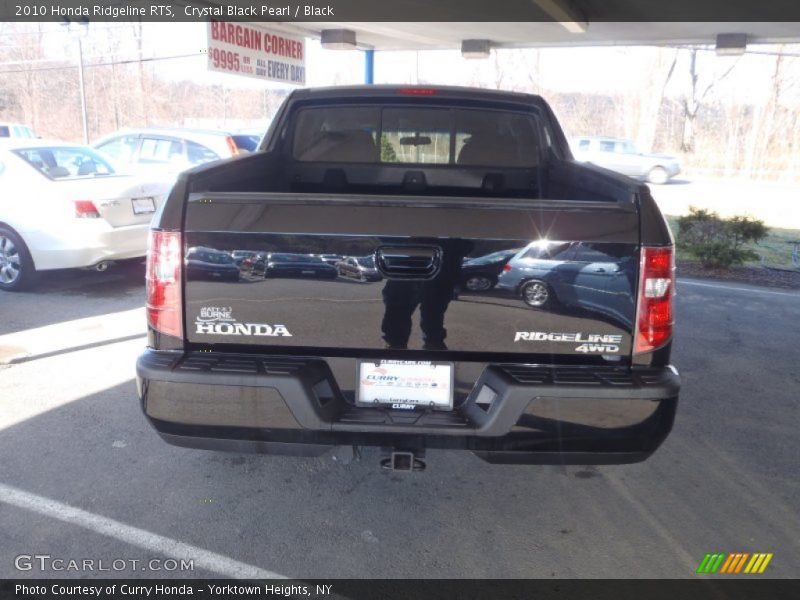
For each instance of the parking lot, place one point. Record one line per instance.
(84, 476)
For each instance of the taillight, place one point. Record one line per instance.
(656, 291)
(506, 268)
(164, 268)
(85, 209)
(232, 146)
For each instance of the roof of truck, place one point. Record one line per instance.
(446, 91)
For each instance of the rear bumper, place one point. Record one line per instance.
(514, 413)
(86, 243)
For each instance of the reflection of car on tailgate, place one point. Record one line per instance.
(285, 264)
(66, 206)
(359, 267)
(250, 262)
(623, 157)
(331, 259)
(209, 263)
(480, 274)
(577, 275)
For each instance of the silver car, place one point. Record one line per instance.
(173, 150)
(15, 130)
(622, 156)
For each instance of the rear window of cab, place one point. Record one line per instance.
(416, 135)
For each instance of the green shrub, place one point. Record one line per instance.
(719, 242)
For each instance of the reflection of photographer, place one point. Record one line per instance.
(402, 297)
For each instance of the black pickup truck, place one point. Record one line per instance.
(564, 359)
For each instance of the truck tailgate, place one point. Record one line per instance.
(457, 278)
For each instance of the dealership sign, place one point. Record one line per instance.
(254, 51)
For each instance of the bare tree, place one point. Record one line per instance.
(693, 102)
(499, 70)
(534, 71)
(138, 34)
(765, 130)
(661, 73)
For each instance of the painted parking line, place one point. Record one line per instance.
(63, 335)
(31, 357)
(738, 289)
(157, 544)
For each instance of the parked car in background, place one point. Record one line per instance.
(64, 206)
(286, 264)
(621, 155)
(209, 263)
(359, 267)
(246, 141)
(16, 130)
(173, 150)
(480, 274)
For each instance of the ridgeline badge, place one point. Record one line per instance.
(593, 342)
(219, 320)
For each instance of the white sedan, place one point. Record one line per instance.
(66, 206)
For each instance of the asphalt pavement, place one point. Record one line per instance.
(82, 475)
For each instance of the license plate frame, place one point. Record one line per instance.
(143, 206)
(418, 385)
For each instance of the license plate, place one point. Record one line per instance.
(405, 385)
(142, 206)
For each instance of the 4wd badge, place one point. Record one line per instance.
(606, 343)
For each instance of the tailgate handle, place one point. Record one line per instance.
(408, 262)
